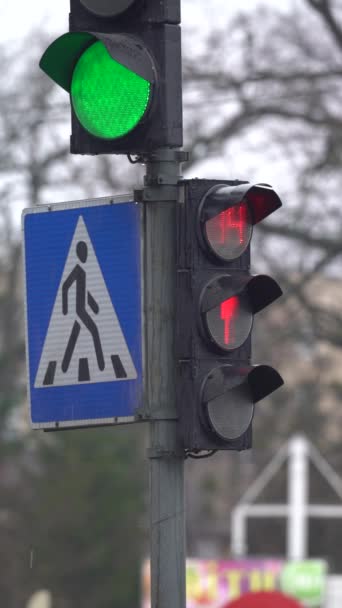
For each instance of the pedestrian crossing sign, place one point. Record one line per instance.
(83, 312)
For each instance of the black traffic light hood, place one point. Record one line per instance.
(262, 200)
(259, 380)
(60, 58)
(261, 290)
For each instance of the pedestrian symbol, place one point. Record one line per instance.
(84, 340)
(78, 276)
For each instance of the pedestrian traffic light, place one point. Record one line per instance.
(121, 64)
(217, 298)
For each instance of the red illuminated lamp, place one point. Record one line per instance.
(228, 304)
(230, 323)
(229, 309)
(227, 215)
(229, 233)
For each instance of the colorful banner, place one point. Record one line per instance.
(211, 583)
(215, 583)
(306, 581)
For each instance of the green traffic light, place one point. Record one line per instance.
(109, 99)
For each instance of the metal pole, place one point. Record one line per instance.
(166, 455)
(239, 531)
(297, 498)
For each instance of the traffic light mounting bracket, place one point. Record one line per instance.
(161, 182)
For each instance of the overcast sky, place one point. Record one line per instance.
(53, 16)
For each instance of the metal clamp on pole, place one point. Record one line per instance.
(158, 452)
(162, 176)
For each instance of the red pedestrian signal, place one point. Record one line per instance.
(229, 311)
(227, 215)
(228, 304)
(228, 233)
(217, 299)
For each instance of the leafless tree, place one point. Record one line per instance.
(263, 102)
(264, 91)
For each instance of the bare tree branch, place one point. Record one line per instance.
(323, 8)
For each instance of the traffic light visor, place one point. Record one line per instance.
(263, 201)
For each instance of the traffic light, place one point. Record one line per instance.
(217, 298)
(121, 64)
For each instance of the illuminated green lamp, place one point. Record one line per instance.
(109, 79)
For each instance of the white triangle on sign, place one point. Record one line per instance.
(84, 342)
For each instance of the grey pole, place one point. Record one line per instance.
(167, 516)
(298, 491)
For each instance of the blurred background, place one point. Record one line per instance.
(262, 102)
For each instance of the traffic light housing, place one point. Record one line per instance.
(121, 64)
(217, 298)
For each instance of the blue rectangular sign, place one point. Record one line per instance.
(83, 312)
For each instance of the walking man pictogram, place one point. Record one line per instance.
(83, 297)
